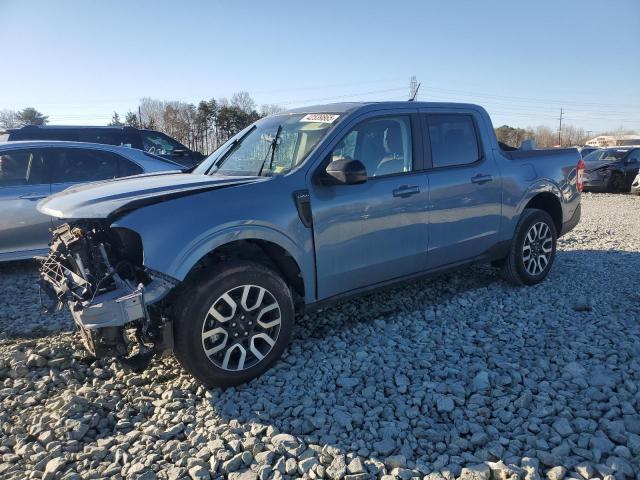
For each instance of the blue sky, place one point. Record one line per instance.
(79, 61)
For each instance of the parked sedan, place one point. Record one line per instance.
(30, 171)
(611, 169)
(635, 186)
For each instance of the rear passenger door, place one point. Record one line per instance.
(23, 230)
(464, 185)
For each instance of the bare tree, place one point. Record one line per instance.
(243, 101)
(8, 119)
(270, 109)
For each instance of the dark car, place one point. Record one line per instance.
(611, 169)
(584, 151)
(150, 141)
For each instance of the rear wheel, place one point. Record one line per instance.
(233, 323)
(533, 249)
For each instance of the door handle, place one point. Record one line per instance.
(406, 191)
(480, 179)
(32, 196)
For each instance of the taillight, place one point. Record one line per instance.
(579, 175)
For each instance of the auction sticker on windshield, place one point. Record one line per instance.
(319, 117)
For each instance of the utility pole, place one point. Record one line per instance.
(139, 117)
(560, 129)
(414, 86)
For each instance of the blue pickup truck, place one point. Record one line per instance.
(299, 210)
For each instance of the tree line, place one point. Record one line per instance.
(205, 126)
(545, 137)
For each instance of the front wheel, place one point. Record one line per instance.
(233, 324)
(533, 249)
(616, 183)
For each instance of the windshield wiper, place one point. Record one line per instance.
(272, 150)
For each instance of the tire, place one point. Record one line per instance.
(205, 318)
(514, 269)
(616, 183)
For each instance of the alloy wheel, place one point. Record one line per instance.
(537, 248)
(241, 327)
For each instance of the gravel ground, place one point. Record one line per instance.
(460, 377)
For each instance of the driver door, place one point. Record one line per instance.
(373, 232)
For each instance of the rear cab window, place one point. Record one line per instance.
(159, 144)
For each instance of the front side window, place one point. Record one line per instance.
(453, 139)
(159, 144)
(21, 167)
(382, 144)
(272, 146)
(74, 165)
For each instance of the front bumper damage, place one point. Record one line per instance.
(108, 307)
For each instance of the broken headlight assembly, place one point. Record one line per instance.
(97, 271)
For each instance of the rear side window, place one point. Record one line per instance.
(127, 168)
(72, 165)
(21, 167)
(453, 139)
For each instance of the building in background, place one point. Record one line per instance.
(614, 140)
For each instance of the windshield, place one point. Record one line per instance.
(273, 146)
(607, 155)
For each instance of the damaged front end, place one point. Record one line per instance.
(115, 301)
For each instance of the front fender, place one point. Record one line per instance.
(208, 242)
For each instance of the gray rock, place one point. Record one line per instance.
(556, 473)
(585, 469)
(481, 382)
(385, 447)
(444, 404)
(355, 466)
(476, 472)
(53, 466)
(500, 471)
(305, 466)
(563, 427)
(199, 473)
(337, 469)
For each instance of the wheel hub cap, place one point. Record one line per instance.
(241, 327)
(537, 248)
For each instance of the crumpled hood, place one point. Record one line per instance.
(105, 199)
(590, 166)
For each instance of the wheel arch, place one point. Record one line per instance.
(261, 245)
(549, 203)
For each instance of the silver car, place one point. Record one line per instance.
(32, 170)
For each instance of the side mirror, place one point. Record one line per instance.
(347, 172)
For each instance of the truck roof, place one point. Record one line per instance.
(344, 107)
